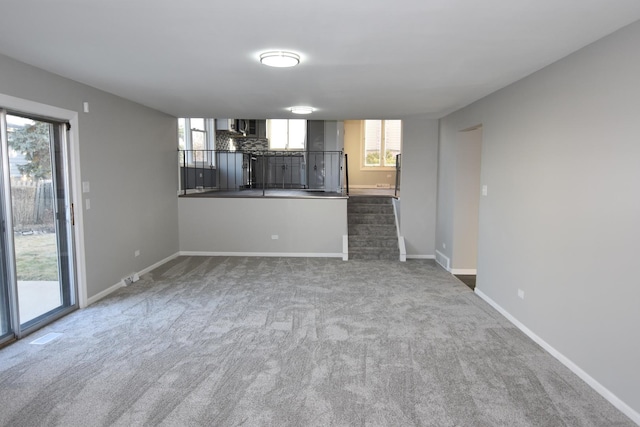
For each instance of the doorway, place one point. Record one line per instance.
(468, 152)
(37, 273)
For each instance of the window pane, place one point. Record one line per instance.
(181, 143)
(198, 139)
(372, 142)
(297, 134)
(197, 124)
(392, 141)
(286, 134)
(277, 134)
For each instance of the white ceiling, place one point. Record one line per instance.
(360, 58)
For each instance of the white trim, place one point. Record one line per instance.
(106, 292)
(593, 383)
(345, 247)
(50, 111)
(401, 244)
(122, 284)
(421, 256)
(372, 186)
(467, 271)
(439, 256)
(159, 263)
(403, 249)
(264, 254)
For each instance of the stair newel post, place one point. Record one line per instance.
(346, 172)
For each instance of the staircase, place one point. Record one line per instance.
(372, 228)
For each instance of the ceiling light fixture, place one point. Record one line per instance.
(279, 58)
(301, 109)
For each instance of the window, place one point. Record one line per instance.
(197, 135)
(382, 142)
(286, 134)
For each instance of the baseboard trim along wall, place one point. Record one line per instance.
(421, 256)
(121, 283)
(593, 383)
(265, 254)
(158, 264)
(104, 293)
(464, 271)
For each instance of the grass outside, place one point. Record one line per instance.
(36, 257)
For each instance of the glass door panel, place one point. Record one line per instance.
(34, 227)
(37, 263)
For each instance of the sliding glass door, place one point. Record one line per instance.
(37, 262)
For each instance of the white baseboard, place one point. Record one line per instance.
(121, 283)
(265, 254)
(104, 293)
(158, 264)
(421, 256)
(602, 390)
(464, 271)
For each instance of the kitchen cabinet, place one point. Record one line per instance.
(252, 128)
(280, 171)
(232, 170)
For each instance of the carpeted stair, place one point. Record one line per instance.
(372, 228)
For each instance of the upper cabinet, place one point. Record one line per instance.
(226, 124)
(251, 127)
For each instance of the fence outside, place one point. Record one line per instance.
(32, 203)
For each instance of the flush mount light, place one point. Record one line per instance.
(301, 109)
(279, 58)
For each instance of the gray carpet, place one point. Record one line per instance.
(292, 342)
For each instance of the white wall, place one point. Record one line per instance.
(419, 185)
(128, 155)
(560, 157)
(245, 225)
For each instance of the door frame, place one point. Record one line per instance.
(28, 107)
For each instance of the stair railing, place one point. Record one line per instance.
(346, 173)
(398, 168)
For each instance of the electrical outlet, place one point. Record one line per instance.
(485, 190)
(131, 279)
(521, 293)
(137, 253)
(274, 237)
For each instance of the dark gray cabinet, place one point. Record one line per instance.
(252, 128)
(279, 171)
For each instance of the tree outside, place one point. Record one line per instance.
(33, 140)
(32, 201)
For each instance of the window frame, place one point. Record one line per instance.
(286, 147)
(383, 147)
(209, 158)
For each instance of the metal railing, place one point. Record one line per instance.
(221, 170)
(398, 170)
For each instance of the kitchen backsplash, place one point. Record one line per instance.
(232, 141)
